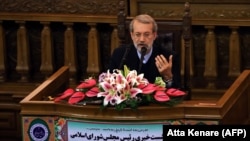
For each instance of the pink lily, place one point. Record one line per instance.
(120, 82)
(129, 92)
(112, 99)
(135, 79)
(109, 92)
(135, 91)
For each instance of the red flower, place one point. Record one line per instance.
(92, 92)
(119, 86)
(147, 89)
(161, 96)
(76, 97)
(88, 83)
(65, 94)
(160, 88)
(175, 92)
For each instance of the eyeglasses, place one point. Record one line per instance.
(145, 35)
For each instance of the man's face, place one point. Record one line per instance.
(143, 35)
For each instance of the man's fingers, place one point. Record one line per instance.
(162, 62)
(170, 59)
(161, 59)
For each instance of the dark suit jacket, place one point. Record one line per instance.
(149, 69)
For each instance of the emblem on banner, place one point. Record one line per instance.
(38, 130)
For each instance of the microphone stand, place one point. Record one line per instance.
(124, 57)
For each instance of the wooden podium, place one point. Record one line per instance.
(56, 121)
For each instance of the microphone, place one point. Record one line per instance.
(124, 57)
(143, 53)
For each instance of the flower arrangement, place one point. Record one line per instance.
(121, 89)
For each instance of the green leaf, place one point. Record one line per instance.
(160, 82)
(126, 70)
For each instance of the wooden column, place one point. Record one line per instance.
(70, 51)
(191, 57)
(114, 39)
(2, 54)
(186, 38)
(23, 53)
(234, 53)
(210, 72)
(46, 50)
(93, 51)
(121, 22)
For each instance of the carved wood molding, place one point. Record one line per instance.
(86, 7)
(221, 11)
(212, 12)
(199, 11)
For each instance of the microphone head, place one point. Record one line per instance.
(143, 50)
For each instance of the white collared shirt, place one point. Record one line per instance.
(146, 57)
